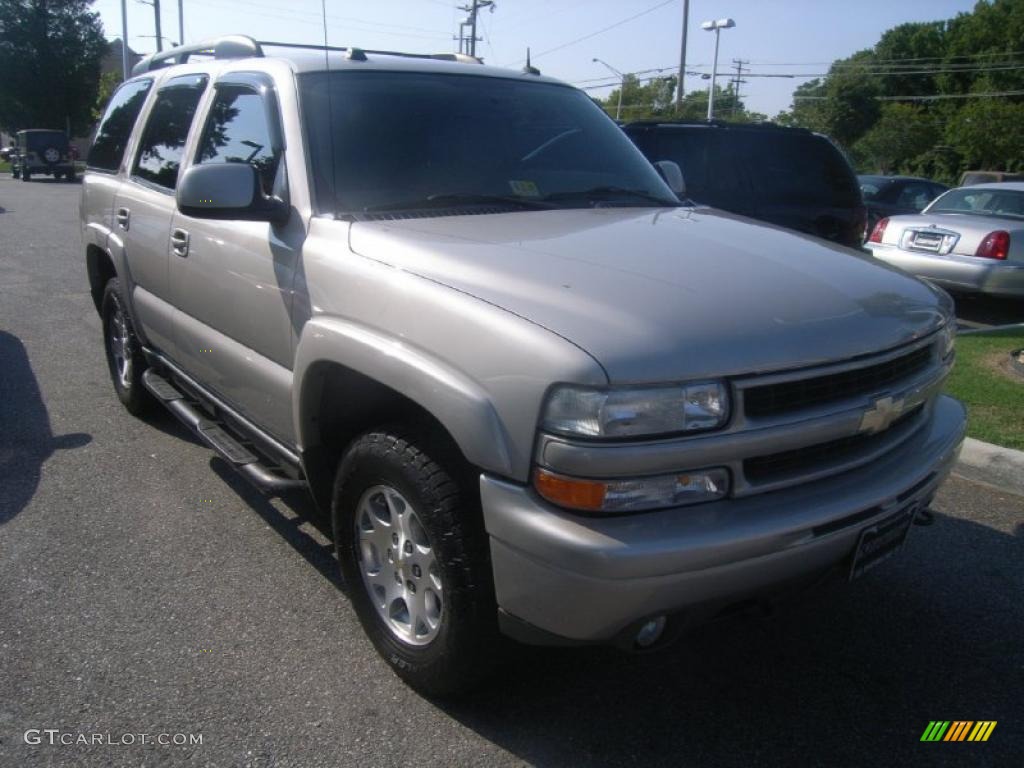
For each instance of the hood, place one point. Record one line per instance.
(666, 294)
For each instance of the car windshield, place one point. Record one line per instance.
(407, 141)
(984, 202)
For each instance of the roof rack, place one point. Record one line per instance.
(228, 47)
(244, 47)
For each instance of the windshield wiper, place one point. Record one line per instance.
(609, 193)
(459, 198)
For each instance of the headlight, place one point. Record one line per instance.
(581, 412)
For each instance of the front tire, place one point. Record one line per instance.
(124, 354)
(414, 555)
(25, 175)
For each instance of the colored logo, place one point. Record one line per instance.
(958, 730)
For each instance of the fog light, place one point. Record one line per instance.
(651, 632)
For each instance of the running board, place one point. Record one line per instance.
(213, 433)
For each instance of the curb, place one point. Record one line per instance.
(992, 464)
(990, 329)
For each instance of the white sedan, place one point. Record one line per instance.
(968, 239)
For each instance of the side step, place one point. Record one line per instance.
(213, 433)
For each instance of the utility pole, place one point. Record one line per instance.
(737, 81)
(467, 44)
(159, 37)
(124, 40)
(682, 56)
(181, 22)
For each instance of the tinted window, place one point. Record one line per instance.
(735, 169)
(112, 135)
(163, 141)
(237, 132)
(405, 137)
(915, 195)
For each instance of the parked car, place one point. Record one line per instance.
(538, 396)
(969, 178)
(786, 176)
(42, 152)
(5, 153)
(896, 195)
(969, 239)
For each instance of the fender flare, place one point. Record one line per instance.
(458, 403)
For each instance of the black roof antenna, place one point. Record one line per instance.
(528, 69)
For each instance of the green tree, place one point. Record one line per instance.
(987, 134)
(50, 52)
(901, 134)
(107, 85)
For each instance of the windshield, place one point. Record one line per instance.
(984, 202)
(406, 141)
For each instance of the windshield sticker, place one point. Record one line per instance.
(524, 188)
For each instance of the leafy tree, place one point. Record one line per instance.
(50, 52)
(987, 133)
(107, 85)
(902, 133)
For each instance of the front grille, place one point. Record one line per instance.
(812, 458)
(788, 396)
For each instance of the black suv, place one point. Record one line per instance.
(42, 152)
(786, 176)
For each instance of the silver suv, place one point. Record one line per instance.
(539, 396)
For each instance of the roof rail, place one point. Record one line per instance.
(356, 53)
(244, 47)
(228, 47)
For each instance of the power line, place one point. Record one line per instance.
(603, 30)
(926, 97)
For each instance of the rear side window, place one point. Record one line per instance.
(108, 147)
(237, 132)
(163, 141)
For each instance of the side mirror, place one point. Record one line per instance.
(673, 176)
(228, 191)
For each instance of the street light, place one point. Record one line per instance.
(622, 85)
(717, 25)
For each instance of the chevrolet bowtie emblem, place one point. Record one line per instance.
(881, 415)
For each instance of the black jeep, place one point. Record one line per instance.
(43, 152)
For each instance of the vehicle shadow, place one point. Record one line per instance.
(850, 677)
(979, 309)
(295, 518)
(26, 440)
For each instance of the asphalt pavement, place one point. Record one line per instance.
(146, 590)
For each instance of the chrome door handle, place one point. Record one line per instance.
(179, 242)
(123, 217)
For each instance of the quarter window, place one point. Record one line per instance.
(163, 142)
(108, 146)
(237, 132)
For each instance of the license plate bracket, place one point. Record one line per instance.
(883, 540)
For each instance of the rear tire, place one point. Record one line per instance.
(414, 555)
(15, 173)
(124, 355)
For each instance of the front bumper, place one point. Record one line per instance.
(957, 273)
(588, 579)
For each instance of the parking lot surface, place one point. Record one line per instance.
(146, 589)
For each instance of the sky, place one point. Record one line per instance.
(798, 37)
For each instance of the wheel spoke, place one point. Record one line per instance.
(398, 566)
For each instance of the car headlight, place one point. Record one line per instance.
(636, 412)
